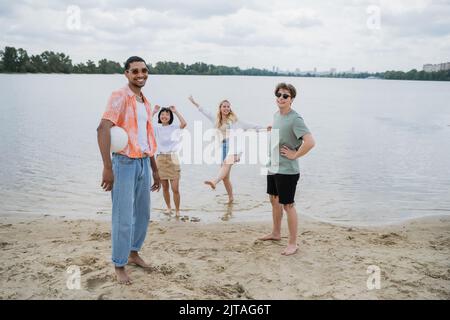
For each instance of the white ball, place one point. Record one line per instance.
(119, 139)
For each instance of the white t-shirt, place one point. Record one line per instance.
(168, 138)
(142, 118)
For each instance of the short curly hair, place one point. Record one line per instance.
(286, 86)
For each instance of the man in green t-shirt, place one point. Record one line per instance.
(295, 140)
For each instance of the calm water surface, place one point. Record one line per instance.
(382, 153)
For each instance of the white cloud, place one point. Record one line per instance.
(300, 18)
(246, 33)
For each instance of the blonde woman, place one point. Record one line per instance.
(225, 122)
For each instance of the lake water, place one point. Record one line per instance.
(382, 150)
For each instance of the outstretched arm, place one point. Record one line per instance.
(205, 112)
(248, 126)
(191, 99)
(183, 123)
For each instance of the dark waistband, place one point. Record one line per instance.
(144, 156)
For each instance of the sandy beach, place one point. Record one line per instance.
(192, 260)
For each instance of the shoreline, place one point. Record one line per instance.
(106, 217)
(370, 77)
(225, 261)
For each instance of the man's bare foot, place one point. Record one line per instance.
(122, 276)
(134, 258)
(168, 211)
(230, 200)
(290, 249)
(177, 213)
(271, 236)
(211, 184)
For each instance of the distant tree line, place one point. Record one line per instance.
(443, 75)
(200, 68)
(18, 61)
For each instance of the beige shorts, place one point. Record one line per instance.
(168, 166)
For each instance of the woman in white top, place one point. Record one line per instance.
(226, 122)
(168, 137)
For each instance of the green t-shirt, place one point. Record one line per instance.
(291, 129)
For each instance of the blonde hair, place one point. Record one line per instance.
(220, 121)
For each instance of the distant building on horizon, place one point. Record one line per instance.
(436, 67)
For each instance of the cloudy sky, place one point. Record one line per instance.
(372, 35)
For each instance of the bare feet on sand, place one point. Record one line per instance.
(230, 200)
(134, 258)
(211, 184)
(290, 249)
(271, 236)
(177, 213)
(122, 276)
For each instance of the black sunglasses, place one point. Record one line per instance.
(136, 71)
(285, 95)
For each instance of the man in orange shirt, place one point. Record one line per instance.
(127, 174)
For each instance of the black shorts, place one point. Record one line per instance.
(283, 186)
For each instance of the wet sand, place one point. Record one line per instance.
(191, 260)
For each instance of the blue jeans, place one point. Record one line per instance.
(130, 206)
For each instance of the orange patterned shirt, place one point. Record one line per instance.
(121, 110)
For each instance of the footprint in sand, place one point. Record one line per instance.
(388, 239)
(219, 269)
(4, 244)
(60, 241)
(89, 260)
(184, 252)
(391, 235)
(96, 282)
(227, 291)
(97, 235)
(184, 276)
(83, 261)
(163, 269)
